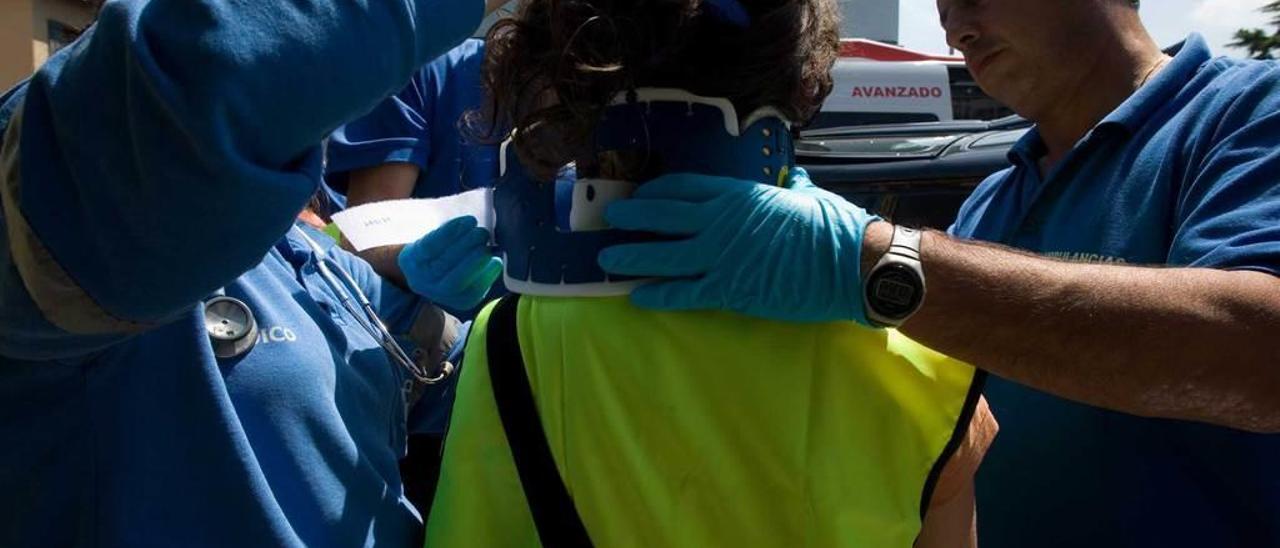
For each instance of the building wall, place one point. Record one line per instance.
(16, 37)
(873, 19)
(24, 33)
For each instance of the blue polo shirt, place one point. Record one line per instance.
(1186, 172)
(161, 157)
(419, 125)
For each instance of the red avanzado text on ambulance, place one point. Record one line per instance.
(908, 92)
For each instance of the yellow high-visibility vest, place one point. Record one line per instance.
(706, 429)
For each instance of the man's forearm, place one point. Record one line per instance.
(1195, 344)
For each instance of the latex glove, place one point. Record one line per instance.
(452, 265)
(791, 254)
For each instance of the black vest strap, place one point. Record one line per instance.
(553, 512)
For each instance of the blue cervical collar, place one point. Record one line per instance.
(551, 233)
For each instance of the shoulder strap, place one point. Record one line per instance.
(553, 511)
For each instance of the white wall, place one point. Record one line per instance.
(16, 39)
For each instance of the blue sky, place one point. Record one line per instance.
(1168, 20)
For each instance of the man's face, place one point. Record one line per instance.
(1024, 53)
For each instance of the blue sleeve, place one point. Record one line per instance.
(1228, 214)
(162, 154)
(396, 131)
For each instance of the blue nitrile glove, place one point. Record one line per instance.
(452, 265)
(791, 254)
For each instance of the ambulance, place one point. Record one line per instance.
(879, 84)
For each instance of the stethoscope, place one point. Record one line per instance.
(233, 330)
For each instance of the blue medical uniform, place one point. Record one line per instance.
(1183, 173)
(419, 125)
(163, 156)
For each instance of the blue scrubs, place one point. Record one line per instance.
(162, 156)
(419, 125)
(1184, 173)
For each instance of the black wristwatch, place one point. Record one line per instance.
(894, 289)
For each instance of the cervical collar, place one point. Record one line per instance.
(551, 233)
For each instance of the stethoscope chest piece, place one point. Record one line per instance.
(231, 327)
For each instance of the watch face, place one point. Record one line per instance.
(894, 291)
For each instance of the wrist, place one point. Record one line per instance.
(385, 261)
(893, 279)
(875, 243)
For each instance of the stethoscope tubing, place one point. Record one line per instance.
(223, 314)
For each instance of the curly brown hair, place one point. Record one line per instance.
(553, 67)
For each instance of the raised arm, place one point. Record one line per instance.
(161, 155)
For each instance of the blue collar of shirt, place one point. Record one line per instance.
(1188, 57)
(296, 251)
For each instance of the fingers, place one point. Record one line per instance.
(490, 274)
(438, 240)
(465, 272)
(660, 216)
(443, 247)
(482, 281)
(452, 264)
(464, 246)
(657, 259)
